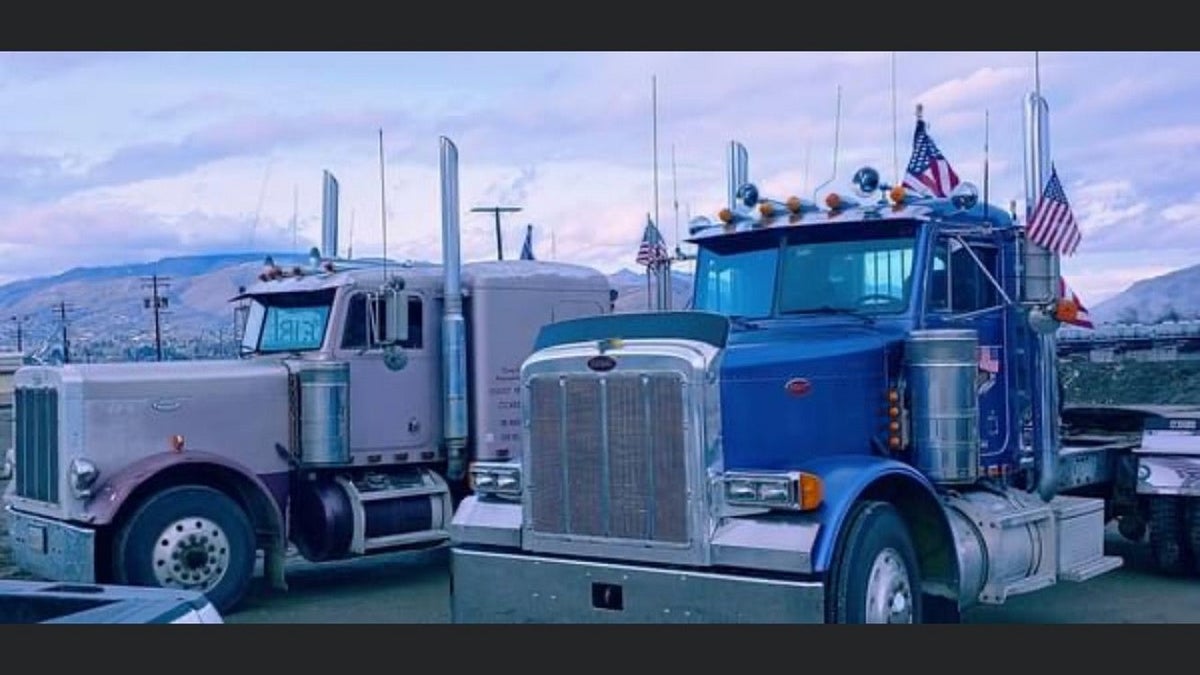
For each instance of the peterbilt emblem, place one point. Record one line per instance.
(167, 405)
(602, 363)
(798, 386)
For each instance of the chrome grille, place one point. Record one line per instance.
(35, 443)
(606, 457)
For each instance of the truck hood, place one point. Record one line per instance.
(790, 392)
(118, 413)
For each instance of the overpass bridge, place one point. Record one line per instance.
(1166, 341)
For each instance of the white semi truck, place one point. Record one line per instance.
(345, 429)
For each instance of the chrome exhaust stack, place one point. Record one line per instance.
(329, 216)
(1040, 275)
(454, 340)
(738, 171)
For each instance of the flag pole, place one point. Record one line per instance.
(986, 116)
(662, 265)
(895, 128)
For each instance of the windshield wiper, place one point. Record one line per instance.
(827, 309)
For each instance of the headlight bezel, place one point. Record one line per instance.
(786, 491)
(496, 479)
(83, 475)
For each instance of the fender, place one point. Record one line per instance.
(846, 479)
(114, 492)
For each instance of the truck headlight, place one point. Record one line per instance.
(502, 479)
(794, 490)
(82, 474)
(9, 465)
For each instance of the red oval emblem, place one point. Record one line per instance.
(798, 386)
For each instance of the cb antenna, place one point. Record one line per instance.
(675, 196)
(807, 152)
(383, 206)
(262, 194)
(837, 127)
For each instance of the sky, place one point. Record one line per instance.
(110, 158)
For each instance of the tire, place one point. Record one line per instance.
(188, 537)
(1168, 537)
(1193, 528)
(1132, 527)
(875, 577)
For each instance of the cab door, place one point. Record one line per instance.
(393, 399)
(961, 293)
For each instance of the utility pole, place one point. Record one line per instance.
(20, 321)
(497, 210)
(158, 303)
(62, 318)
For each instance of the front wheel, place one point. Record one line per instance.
(875, 578)
(188, 537)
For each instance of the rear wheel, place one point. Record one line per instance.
(189, 537)
(875, 578)
(1169, 544)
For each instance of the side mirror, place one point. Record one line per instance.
(387, 316)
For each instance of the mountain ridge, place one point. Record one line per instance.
(110, 304)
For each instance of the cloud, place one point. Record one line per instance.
(1188, 213)
(188, 153)
(1172, 137)
(196, 106)
(970, 89)
(51, 239)
(25, 67)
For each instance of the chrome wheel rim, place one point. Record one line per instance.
(191, 553)
(889, 592)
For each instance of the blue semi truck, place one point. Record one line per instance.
(857, 421)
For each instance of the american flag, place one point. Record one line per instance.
(652, 249)
(527, 247)
(1051, 224)
(1071, 309)
(928, 173)
(989, 359)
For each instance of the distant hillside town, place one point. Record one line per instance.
(107, 313)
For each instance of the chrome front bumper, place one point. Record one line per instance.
(52, 549)
(488, 586)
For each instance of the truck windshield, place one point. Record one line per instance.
(862, 276)
(736, 284)
(287, 322)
